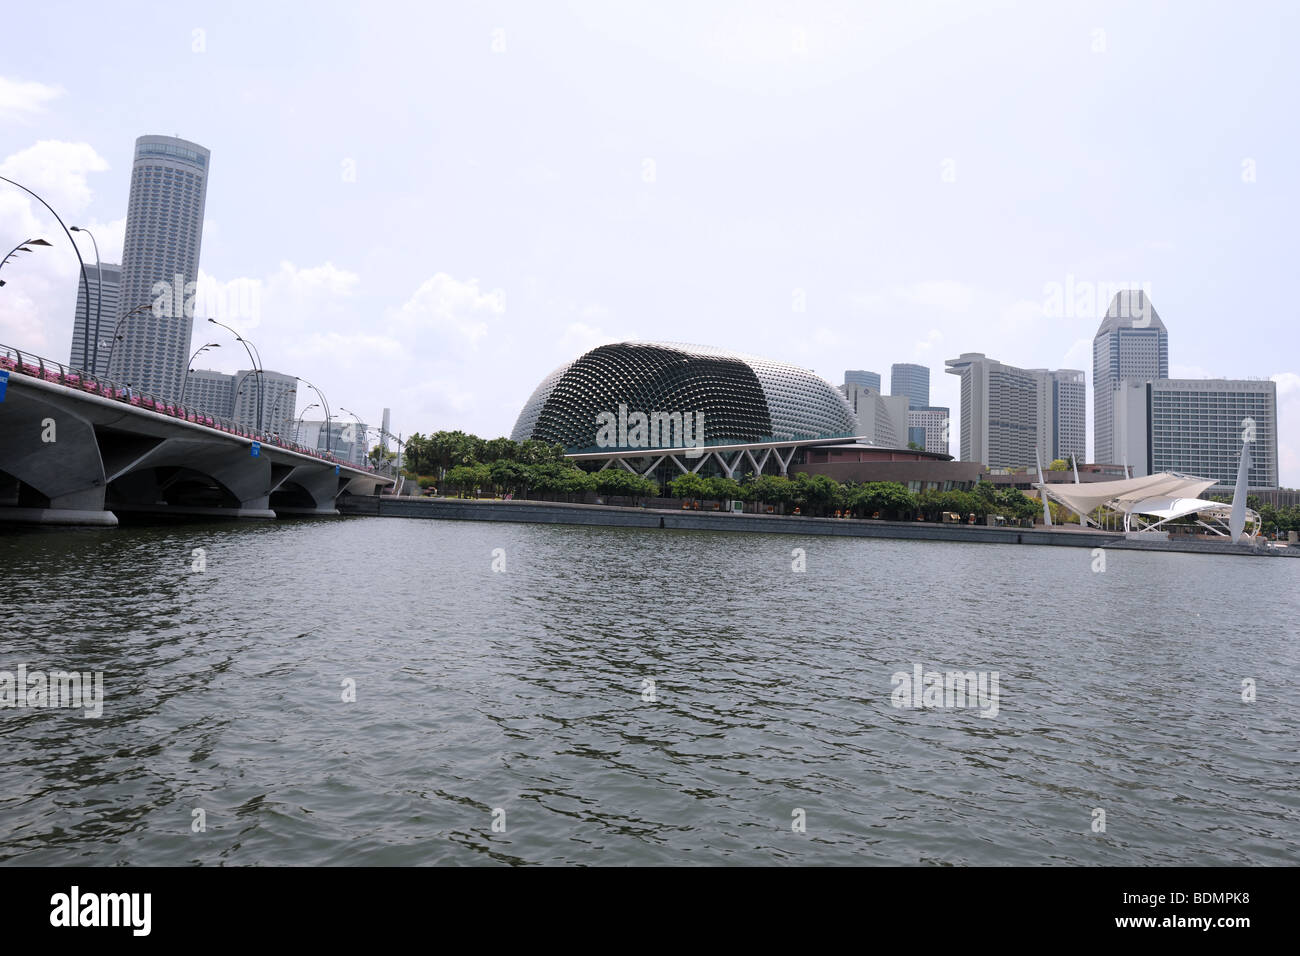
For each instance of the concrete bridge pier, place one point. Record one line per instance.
(193, 477)
(307, 490)
(52, 470)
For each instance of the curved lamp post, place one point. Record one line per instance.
(99, 301)
(21, 247)
(325, 405)
(297, 427)
(119, 332)
(197, 352)
(84, 284)
(361, 425)
(257, 367)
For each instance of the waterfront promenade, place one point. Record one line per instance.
(553, 512)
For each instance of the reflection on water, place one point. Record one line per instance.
(617, 696)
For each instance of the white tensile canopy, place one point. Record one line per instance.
(1156, 499)
(1121, 495)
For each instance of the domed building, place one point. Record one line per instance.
(659, 409)
(740, 399)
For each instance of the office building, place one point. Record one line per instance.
(912, 381)
(928, 427)
(101, 316)
(164, 230)
(1195, 427)
(881, 419)
(1062, 415)
(1132, 345)
(863, 378)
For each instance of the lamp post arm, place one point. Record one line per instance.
(85, 348)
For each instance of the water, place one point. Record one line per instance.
(521, 690)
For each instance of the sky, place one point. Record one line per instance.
(429, 206)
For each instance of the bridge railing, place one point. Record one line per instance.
(25, 363)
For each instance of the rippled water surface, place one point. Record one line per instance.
(516, 696)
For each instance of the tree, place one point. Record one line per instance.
(1059, 464)
(722, 489)
(496, 449)
(533, 452)
(617, 481)
(820, 492)
(888, 498)
(469, 478)
(509, 476)
(689, 485)
(769, 489)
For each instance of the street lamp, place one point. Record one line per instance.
(363, 431)
(119, 332)
(21, 247)
(256, 363)
(275, 408)
(188, 370)
(84, 284)
(99, 301)
(325, 405)
(297, 428)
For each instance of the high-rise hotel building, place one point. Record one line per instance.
(1132, 345)
(1195, 426)
(164, 229)
(1012, 416)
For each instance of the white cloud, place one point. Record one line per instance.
(446, 307)
(22, 100)
(1288, 385)
(56, 170)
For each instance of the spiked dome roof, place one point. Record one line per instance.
(743, 398)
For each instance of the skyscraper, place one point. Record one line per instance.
(1011, 417)
(1132, 344)
(864, 378)
(912, 381)
(1062, 414)
(102, 318)
(164, 229)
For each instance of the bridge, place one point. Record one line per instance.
(76, 449)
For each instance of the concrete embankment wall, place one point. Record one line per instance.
(551, 512)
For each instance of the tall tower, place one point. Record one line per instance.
(1132, 345)
(912, 381)
(164, 227)
(102, 317)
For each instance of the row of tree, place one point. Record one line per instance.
(459, 462)
(819, 494)
(434, 455)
